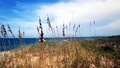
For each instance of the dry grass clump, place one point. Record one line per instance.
(70, 54)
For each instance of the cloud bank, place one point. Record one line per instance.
(106, 14)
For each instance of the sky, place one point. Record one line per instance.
(24, 14)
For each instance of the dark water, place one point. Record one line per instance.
(68, 38)
(12, 43)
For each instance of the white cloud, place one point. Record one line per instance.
(81, 11)
(112, 28)
(113, 25)
(75, 11)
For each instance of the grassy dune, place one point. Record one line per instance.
(95, 53)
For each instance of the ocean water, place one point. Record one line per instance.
(12, 43)
(68, 38)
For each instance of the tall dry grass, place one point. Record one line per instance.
(68, 54)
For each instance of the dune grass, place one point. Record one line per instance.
(66, 54)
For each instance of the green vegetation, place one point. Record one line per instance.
(94, 53)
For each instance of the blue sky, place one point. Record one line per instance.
(25, 13)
